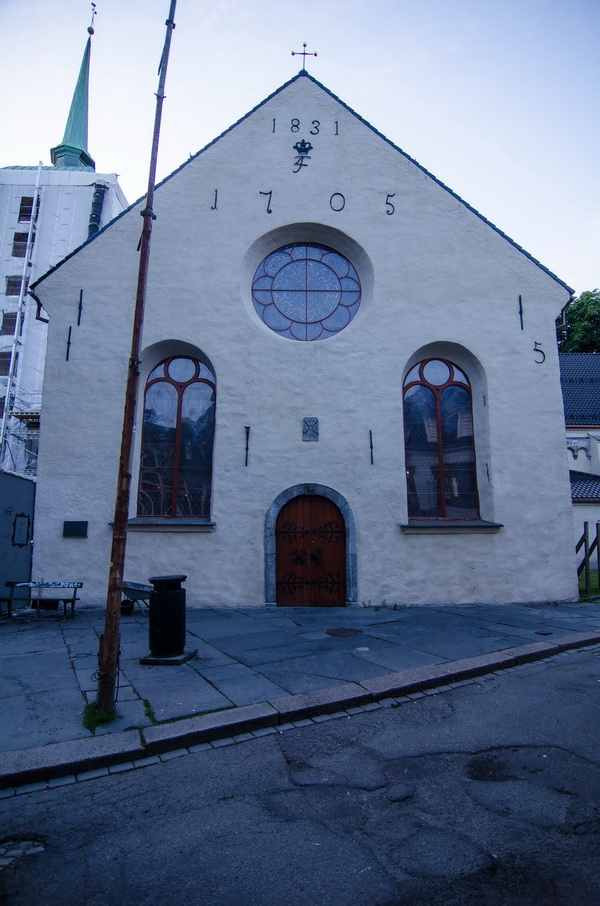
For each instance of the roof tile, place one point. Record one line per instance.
(580, 382)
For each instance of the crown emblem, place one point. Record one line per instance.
(303, 147)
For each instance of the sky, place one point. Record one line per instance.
(497, 98)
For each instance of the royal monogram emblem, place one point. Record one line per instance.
(302, 149)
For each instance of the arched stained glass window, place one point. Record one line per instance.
(440, 446)
(306, 291)
(177, 440)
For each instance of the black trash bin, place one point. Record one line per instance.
(167, 617)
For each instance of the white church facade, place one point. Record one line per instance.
(346, 375)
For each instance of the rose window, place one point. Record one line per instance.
(306, 291)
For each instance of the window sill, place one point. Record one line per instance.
(163, 524)
(449, 527)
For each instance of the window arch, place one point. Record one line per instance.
(177, 439)
(440, 446)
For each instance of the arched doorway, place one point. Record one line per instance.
(310, 542)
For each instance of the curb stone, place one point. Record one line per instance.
(324, 701)
(207, 727)
(577, 640)
(60, 758)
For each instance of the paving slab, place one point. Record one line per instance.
(317, 654)
(356, 668)
(431, 617)
(244, 643)
(409, 633)
(453, 646)
(130, 714)
(240, 685)
(37, 720)
(274, 617)
(173, 691)
(288, 650)
(221, 627)
(328, 664)
(399, 657)
(25, 640)
(208, 655)
(85, 672)
(298, 682)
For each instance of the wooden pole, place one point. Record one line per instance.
(108, 659)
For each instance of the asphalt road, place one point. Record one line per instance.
(484, 794)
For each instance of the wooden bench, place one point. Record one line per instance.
(68, 597)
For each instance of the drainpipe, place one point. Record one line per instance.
(97, 202)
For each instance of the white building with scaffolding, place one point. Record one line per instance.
(45, 213)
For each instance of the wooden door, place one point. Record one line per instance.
(311, 553)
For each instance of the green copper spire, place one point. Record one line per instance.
(72, 153)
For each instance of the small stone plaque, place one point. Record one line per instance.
(75, 529)
(310, 429)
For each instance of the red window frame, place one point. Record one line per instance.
(200, 376)
(438, 391)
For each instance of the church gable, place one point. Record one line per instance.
(340, 165)
(304, 130)
(303, 167)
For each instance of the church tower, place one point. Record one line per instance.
(72, 153)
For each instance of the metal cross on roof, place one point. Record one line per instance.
(305, 53)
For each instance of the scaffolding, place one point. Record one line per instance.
(19, 430)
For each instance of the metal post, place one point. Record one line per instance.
(108, 659)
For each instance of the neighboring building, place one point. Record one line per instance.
(580, 382)
(17, 494)
(45, 212)
(346, 374)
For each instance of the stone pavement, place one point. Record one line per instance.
(257, 670)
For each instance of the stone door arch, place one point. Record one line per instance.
(343, 585)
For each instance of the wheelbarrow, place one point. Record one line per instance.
(134, 592)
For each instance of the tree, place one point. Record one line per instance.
(581, 329)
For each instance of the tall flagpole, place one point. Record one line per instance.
(108, 658)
